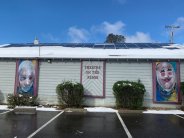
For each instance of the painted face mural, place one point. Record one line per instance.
(26, 77)
(166, 76)
(166, 82)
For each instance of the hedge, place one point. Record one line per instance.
(129, 94)
(70, 94)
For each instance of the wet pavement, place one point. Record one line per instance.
(2, 111)
(154, 125)
(84, 125)
(182, 116)
(90, 125)
(21, 126)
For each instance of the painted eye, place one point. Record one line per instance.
(162, 71)
(22, 78)
(169, 69)
(30, 77)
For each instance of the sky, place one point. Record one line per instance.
(90, 21)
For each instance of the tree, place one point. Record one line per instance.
(112, 38)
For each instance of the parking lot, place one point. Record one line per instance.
(60, 124)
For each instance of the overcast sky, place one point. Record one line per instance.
(62, 21)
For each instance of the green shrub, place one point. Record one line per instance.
(182, 87)
(21, 100)
(128, 94)
(70, 94)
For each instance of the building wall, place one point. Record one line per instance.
(124, 71)
(51, 74)
(129, 71)
(7, 79)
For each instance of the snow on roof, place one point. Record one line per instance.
(45, 51)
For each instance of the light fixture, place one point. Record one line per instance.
(49, 60)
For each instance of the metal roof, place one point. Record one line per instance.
(93, 51)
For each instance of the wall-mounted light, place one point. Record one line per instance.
(49, 60)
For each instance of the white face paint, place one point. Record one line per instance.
(166, 76)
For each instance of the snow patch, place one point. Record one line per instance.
(100, 109)
(46, 109)
(4, 107)
(163, 112)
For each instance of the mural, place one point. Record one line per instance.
(26, 77)
(166, 82)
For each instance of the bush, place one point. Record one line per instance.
(21, 100)
(70, 94)
(182, 87)
(128, 94)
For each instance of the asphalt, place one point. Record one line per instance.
(84, 125)
(2, 111)
(21, 126)
(154, 125)
(90, 125)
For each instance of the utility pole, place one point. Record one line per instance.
(171, 29)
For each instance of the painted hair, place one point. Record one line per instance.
(26, 65)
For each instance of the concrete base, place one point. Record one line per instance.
(129, 111)
(75, 110)
(24, 110)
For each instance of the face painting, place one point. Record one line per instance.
(165, 76)
(26, 76)
(26, 79)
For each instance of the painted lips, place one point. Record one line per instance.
(167, 79)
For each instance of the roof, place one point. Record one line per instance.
(93, 50)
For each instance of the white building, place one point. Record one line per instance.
(77, 62)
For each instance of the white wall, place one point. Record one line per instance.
(7, 79)
(51, 74)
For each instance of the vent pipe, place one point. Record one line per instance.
(36, 41)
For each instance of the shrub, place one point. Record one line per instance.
(70, 94)
(21, 100)
(182, 87)
(129, 94)
(182, 92)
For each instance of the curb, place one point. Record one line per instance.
(75, 110)
(85, 110)
(24, 110)
(130, 111)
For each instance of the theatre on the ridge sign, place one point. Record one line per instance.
(92, 78)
